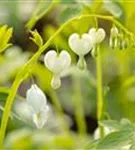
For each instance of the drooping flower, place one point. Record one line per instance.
(80, 45)
(97, 35)
(57, 63)
(37, 101)
(114, 40)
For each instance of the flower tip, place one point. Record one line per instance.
(39, 122)
(82, 63)
(56, 82)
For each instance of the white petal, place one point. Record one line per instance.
(73, 39)
(49, 59)
(65, 59)
(36, 98)
(80, 45)
(57, 63)
(40, 118)
(92, 32)
(100, 35)
(97, 35)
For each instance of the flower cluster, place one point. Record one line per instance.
(59, 62)
(117, 39)
(80, 45)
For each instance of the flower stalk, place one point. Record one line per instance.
(100, 102)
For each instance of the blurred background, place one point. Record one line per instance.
(77, 96)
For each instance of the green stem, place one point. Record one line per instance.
(78, 105)
(37, 16)
(100, 102)
(58, 107)
(30, 65)
(7, 109)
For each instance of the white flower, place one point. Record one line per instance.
(38, 103)
(81, 45)
(36, 98)
(57, 63)
(97, 35)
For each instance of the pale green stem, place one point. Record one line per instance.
(78, 105)
(58, 107)
(7, 109)
(35, 17)
(29, 65)
(100, 102)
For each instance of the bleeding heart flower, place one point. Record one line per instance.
(37, 101)
(97, 35)
(57, 63)
(81, 45)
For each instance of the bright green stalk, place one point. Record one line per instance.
(100, 102)
(29, 65)
(78, 107)
(58, 107)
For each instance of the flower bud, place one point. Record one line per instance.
(114, 32)
(97, 35)
(116, 42)
(111, 42)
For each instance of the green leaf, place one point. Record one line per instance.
(67, 2)
(113, 124)
(114, 8)
(69, 12)
(92, 145)
(4, 92)
(5, 35)
(116, 140)
(37, 39)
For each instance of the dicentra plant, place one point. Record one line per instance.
(59, 60)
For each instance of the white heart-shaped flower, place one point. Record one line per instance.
(36, 99)
(80, 45)
(97, 35)
(57, 63)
